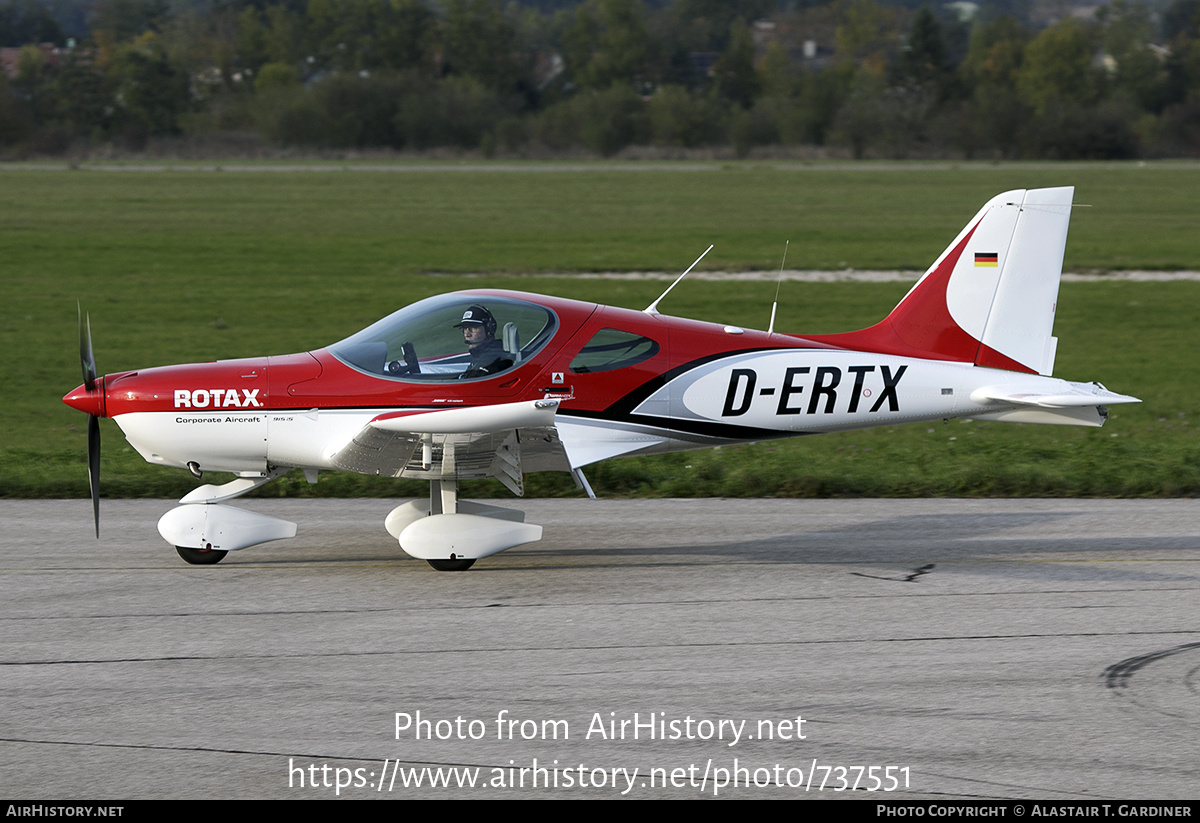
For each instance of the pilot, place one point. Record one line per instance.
(487, 354)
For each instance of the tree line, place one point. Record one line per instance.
(850, 77)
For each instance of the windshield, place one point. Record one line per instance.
(450, 337)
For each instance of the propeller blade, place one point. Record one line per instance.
(87, 357)
(94, 467)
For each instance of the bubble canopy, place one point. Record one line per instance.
(425, 341)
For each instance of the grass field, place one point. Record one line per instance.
(178, 266)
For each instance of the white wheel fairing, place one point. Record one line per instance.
(197, 526)
(408, 513)
(463, 536)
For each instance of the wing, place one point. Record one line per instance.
(502, 441)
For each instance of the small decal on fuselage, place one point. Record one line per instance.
(217, 399)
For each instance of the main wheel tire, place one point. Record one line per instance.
(460, 565)
(201, 557)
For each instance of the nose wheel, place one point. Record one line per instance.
(201, 557)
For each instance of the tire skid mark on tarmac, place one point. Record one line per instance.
(908, 578)
(1118, 675)
(1171, 690)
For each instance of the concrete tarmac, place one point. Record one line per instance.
(945, 649)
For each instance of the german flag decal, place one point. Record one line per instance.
(987, 258)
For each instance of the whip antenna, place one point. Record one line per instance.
(778, 283)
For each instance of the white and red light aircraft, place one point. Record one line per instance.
(549, 384)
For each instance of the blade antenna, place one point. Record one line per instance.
(778, 283)
(653, 307)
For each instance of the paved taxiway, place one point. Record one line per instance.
(1016, 648)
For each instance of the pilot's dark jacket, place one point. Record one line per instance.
(487, 358)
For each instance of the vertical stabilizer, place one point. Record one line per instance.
(990, 297)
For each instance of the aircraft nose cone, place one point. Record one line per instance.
(88, 402)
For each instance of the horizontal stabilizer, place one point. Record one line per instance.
(1065, 395)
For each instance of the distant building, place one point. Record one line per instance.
(52, 55)
(809, 45)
